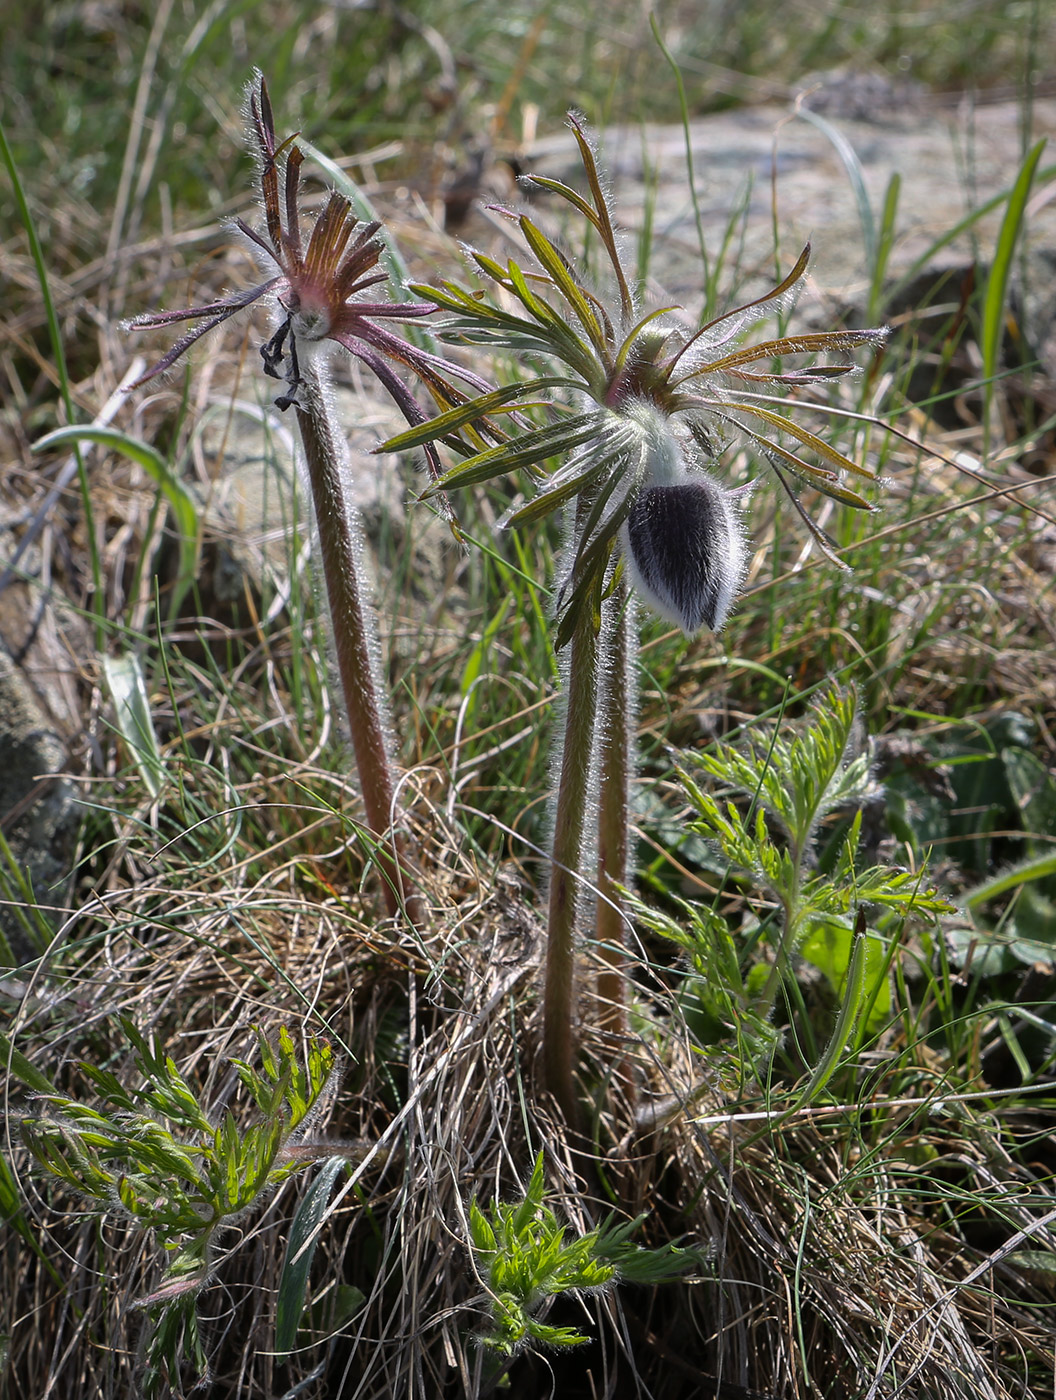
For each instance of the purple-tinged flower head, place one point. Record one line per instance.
(322, 289)
(638, 408)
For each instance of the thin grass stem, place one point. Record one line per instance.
(98, 596)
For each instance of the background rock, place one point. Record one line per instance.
(257, 504)
(38, 813)
(749, 162)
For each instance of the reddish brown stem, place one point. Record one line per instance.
(355, 638)
(577, 756)
(617, 712)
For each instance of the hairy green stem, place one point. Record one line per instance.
(616, 769)
(354, 631)
(573, 795)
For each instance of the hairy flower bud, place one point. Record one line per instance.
(684, 547)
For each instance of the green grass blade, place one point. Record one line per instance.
(855, 174)
(62, 374)
(707, 275)
(17, 892)
(884, 243)
(995, 300)
(12, 1214)
(845, 1021)
(124, 679)
(1038, 869)
(304, 1236)
(15, 1063)
(953, 234)
(475, 665)
(181, 503)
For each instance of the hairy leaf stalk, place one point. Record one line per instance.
(355, 637)
(618, 711)
(573, 798)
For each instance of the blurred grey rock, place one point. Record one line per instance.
(38, 814)
(258, 514)
(851, 94)
(749, 161)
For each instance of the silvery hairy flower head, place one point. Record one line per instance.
(638, 412)
(683, 540)
(320, 281)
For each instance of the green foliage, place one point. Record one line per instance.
(128, 692)
(796, 779)
(719, 997)
(792, 784)
(995, 303)
(525, 1259)
(156, 1156)
(982, 795)
(1014, 909)
(178, 498)
(968, 788)
(300, 1250)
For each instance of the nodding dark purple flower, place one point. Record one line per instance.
(320, 290)
(684, 547)
(682, 538)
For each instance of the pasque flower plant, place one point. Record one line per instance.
(638, 408)
(325, 290)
